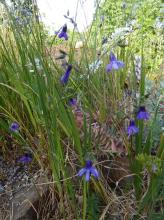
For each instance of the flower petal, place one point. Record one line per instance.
(88, 164)
(14, 126)
(109, 68)
(94, 172)
(129, 131)
(135, 130)
(112, 57)
(56, 32)
(132, 130)
(81, 172)
(118, 64)
(147, 115)
(25, 159)
(64, 79)
(72, 101)
(87, 176)
(63, 35)
(143, 115)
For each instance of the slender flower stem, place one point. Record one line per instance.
(84, 199)
(131, 143)
(139, 141)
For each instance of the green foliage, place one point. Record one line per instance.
(93, 207)
(31, 95)
(25, 4)
(152, 164)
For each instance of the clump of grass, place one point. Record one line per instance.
(36, 93)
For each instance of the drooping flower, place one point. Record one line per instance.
(114, 63)
(63, 32)
(132, 129)
(27, 158)
(72, 102)
(65, 77)
(14, 126)
(88, 170)
(143, 114)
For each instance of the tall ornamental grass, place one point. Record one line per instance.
(108, 79)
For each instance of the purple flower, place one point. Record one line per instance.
(65, 77)
(63, 32)
(88, 170)
(27, 158)
(143, 114)
(72, 102)
(114, 63)
(132, 129)
(14, 126)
